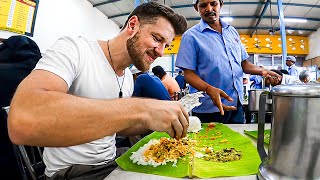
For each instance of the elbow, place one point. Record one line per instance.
(19, 131)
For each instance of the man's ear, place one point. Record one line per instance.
(195, 6)
(133, 23)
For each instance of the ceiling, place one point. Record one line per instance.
(249, 16)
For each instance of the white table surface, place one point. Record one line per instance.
(119, 174)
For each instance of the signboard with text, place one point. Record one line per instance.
(18, 16)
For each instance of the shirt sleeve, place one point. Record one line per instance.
(187, 54)
(62, 59)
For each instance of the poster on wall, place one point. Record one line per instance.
(18, 16)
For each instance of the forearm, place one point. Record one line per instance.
(134, 130)
(250, 68)
(48, 118)
(195, 81)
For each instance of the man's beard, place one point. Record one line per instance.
(135, 53)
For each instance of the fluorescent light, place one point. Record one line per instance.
(295, 20)
(227, 19)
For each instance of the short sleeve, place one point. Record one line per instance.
(62, 59)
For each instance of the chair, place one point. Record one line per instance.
(29, 159)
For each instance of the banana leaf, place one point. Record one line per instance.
(254, 134)
(218, 138)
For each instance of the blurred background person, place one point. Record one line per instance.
(149, 86)
(282, 79)
(292, 69)
(18, 56)
(304, 76)
(180, 80)
(168, 81)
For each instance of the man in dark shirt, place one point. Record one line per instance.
(18, 56)
(180, 79)
(147, 85)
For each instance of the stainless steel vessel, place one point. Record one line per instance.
(253, 100)
(295, 133)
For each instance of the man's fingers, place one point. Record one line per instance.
(218, 103)
(229, 108)
(171, 132)
(184, 120)
(225, 95)
(177, 127)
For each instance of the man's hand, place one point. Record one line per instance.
(268, 73)
(215, 95)
(167, 116)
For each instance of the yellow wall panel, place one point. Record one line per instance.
(260, 44)
(174, 46)
(267, 44)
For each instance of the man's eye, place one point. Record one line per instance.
(156, 38)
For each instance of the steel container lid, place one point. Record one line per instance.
(297, 90)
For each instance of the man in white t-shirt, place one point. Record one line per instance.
(71, 102)
(282, 79)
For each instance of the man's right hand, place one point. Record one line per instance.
(167, 116)
(215, 95)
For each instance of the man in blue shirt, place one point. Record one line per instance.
(213, 60)
(290, 62)
(180, 80)
(150, 86)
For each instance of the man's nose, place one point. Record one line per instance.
(208, 8)
(160, 49)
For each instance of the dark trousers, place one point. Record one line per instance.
(87, 172)
(229, 117)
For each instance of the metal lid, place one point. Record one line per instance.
(301, 90)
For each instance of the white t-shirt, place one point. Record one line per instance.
(287, 79)
(84, 67)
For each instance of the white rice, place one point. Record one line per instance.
(194, 124)
(138, 158)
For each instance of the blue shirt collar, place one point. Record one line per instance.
(204, 25)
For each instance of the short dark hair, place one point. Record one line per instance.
(158, 71)
(148, 13)
(277, 71)
(284, 71)
(221, 1)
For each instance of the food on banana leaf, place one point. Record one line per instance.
(159, 152)
(224, 155)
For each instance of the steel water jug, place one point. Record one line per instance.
(294, 147)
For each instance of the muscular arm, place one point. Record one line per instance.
(43, 114)
(215, 93)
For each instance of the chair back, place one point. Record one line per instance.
(30, 160)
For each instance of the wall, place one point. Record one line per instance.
(314, 44)
(72, 17)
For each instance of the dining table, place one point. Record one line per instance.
(120, 174)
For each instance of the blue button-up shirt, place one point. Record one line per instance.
(216, 58)
(293, 71)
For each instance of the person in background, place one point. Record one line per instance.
(292, 69)
(150, 86)
(213, 60)
(180, 80)
(282, 79)
(71, 102)
(284, 71)
(168, 81)
(304, 76)
(256, 80)
(18, 56)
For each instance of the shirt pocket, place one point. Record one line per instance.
(236, 52)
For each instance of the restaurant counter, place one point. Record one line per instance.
(119, 174)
